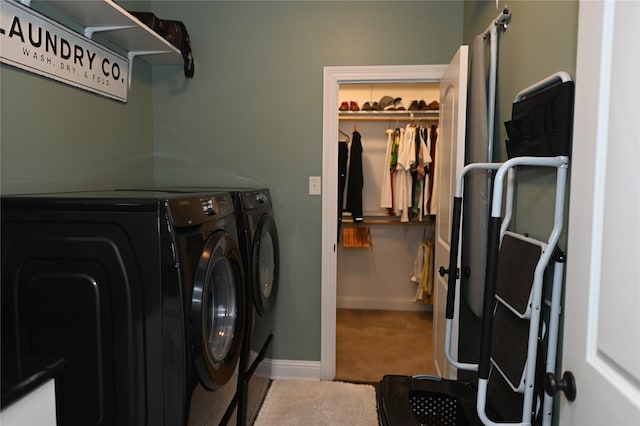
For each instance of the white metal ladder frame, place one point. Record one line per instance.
(533, 313)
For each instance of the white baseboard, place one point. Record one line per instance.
(385, 304)
(289, 369)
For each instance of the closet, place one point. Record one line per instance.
(362, 290)
(375, 257)
(383, 300)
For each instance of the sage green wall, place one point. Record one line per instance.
(253, 113)
(54, 137)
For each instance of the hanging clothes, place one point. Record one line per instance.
(419, 173)
(389, 167)
(421, 273)
(406, 184)
(356, 179)
(430, 202)
(417, 177)
(402, 179)
(343, 157)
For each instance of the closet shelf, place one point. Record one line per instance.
(385, 220)
(432, 115)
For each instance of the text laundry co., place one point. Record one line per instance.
(37, 44)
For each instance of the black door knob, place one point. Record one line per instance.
(567, 385)
(444, 272)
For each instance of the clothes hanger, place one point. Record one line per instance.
(345, 135)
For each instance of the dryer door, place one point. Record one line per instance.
(217, 311)
(266, 265)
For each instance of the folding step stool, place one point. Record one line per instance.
(518, 346)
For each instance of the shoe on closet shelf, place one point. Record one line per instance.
(414, 106)
(422, 105)
(366, 106)
(344, 106)
(385, 104)
(374, 106)
(353, 106)
(433, 106)
(397, 105)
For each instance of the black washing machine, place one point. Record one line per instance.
(142, 294)
(261, 253)
(259, 245)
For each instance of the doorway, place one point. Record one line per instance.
(333, 78)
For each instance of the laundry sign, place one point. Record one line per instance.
(35, 43)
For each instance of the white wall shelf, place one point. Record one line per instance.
(119, 27)
(347, 220)
(431, 115)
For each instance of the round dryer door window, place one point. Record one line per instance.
(266, 265)
(217, 311)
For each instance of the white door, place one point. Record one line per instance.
(449, 161)
(602, 302)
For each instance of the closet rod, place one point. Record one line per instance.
(350, 223)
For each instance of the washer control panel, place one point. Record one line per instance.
(190, 211)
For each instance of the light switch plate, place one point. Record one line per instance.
(315, 185)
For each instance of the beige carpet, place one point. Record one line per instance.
(318, 403)
(371, 343)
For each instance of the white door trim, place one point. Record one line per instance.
(333, 77)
